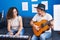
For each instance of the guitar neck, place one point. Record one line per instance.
(47, 23)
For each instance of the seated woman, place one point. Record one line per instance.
(15, 25)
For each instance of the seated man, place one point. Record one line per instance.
(41, 15)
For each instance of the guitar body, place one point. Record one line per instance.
(42, 29)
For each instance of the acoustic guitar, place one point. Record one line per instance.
(43, 25)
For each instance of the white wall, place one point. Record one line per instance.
(56, 17)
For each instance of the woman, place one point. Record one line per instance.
(15, 25)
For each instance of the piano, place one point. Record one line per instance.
(9, 37)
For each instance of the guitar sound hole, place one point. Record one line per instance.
(42, 25)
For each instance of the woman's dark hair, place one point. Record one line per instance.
(10, 12)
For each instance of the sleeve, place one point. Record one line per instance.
(34, 18)
(49, 17)
(9, 21)
(19, 18)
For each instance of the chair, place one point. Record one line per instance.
(1, 20)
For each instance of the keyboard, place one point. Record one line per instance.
(9, 36)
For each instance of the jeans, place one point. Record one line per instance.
(15, 31)
(42, 36)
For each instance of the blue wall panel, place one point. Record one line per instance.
(6, 4)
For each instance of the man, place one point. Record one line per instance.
(41, 14)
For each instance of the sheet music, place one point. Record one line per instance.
(25, 6)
